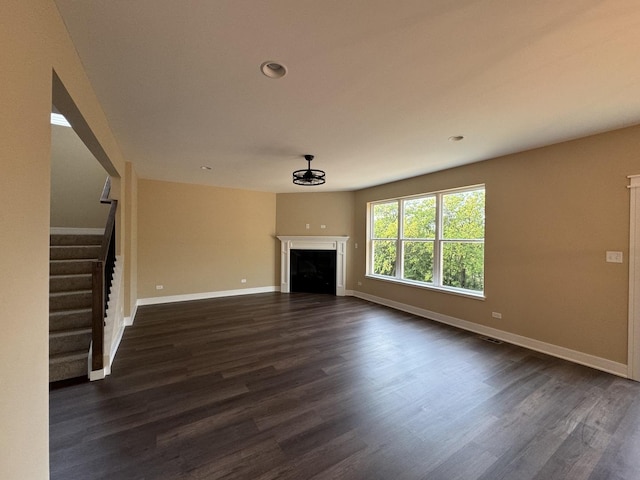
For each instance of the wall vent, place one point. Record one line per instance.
(490, 339)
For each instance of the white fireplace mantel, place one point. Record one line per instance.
(304, 242)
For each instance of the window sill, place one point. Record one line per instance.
(451, 291)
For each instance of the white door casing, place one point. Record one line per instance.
(633, 359)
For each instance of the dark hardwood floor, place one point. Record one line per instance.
(301, 386)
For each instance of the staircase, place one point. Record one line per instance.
(70, 301)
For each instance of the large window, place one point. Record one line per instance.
(436, 239)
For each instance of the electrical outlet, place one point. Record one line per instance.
(614, 257)
(359, 284)
(323, 226)
(244, 280)
(308, 226)
(159, 287)
(496, 315)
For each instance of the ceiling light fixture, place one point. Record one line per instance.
(456, 138)
(310, 176)
(273, 69)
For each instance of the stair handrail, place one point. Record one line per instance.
(102, 272)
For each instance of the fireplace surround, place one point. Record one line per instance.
(303, 242)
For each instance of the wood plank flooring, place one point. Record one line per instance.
(302, 386)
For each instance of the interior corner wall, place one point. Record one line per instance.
(334, 210)
(33, 43)
(131, 240)
(195, 239)
(77, 180)
(551, 215)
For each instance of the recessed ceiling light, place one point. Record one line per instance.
(456, 138)
(273, 69)
(205, 167)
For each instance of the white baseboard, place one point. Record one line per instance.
(203, 296)
(94, 374)
(97, 374)
(115, 345)
(128, 321)
(76, 231)
(575, 356)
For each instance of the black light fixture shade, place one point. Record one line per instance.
(310, 176)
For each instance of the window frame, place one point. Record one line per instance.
(438, 243)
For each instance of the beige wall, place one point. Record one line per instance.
(77, 180)
(24, 198)
(333, 210)
(33, 42)
(551, 214)
(199, 239)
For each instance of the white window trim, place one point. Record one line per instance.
(426, 286)
(437, 245)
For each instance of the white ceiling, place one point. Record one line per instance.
(374, 87)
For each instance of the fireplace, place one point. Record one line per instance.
(313, 271)
(303, 257)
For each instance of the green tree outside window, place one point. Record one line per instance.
(437, 239)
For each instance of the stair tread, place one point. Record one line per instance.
(69, 282)
(70, 311)
(80, 252)
(68, 356)
(69, 292)
(69, 275)
(70, 331)
(66, 319)
(69, 245)
(69, 260)
(60, 239)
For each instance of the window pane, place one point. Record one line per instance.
(418, 261)
(420, 218)
(384, 257)
(463, 265)
(385, 220)
(463, 215)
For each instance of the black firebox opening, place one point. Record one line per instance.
(313, 271)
